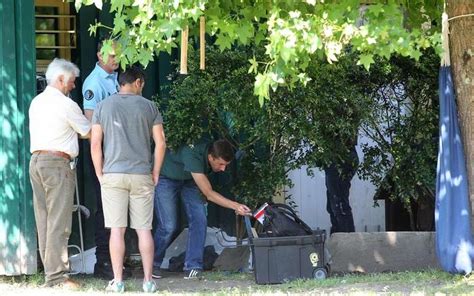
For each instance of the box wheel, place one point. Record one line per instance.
(320, 274)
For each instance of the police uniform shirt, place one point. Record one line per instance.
(98, 86)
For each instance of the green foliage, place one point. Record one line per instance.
(395, 104)
(293, 33)
(300, 125)
(404, 125)
(303, 126)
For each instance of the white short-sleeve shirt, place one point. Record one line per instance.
(55, 122)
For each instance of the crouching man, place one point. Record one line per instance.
(185, 175)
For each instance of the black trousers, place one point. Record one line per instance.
(338, 184)
(102, 234)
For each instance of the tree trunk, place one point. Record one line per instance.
(462, 62)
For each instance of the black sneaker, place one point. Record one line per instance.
(104, 271)
(157, 273)
(192, 274)
(127, 271)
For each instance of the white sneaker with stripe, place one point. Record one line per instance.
(193, 274)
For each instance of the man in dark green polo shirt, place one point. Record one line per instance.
(184, 174)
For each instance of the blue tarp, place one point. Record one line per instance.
(452, 215)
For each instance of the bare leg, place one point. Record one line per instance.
(117, 251)
(147, 247)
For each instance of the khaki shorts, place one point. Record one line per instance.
(124, 194)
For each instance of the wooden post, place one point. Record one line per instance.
(202, 43)
(184, 51)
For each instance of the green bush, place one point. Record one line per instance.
(301, 126)
(404, 125)
(395, 104)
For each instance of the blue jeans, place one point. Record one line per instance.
(167, 193)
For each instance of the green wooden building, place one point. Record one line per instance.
(32, 33)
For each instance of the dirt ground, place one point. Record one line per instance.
(171, 283)
(174, 284)
(244, 284)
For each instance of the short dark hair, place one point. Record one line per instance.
(100, 44)
(102, 40)
(222, 149)
(131, 74)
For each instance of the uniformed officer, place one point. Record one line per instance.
(100, 84)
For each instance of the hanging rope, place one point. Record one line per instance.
(460, 16)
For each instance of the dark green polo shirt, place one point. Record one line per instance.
(179, 164)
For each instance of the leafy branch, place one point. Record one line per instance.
(294, 33)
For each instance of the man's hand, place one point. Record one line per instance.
(205, 186)
(156, 177)
(100, 176)
(243, 210)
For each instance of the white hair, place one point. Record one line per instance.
(61, 67)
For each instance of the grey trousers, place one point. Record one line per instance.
(53, 183)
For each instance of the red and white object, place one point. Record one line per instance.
(259, 214)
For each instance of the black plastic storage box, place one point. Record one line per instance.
(280, 259)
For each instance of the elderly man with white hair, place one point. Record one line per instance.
(55, 123)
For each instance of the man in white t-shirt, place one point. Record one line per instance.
(55, 123)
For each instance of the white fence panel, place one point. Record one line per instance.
(310, 196)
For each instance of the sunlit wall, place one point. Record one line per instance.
(17, 88)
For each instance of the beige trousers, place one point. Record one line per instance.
(53, 183)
